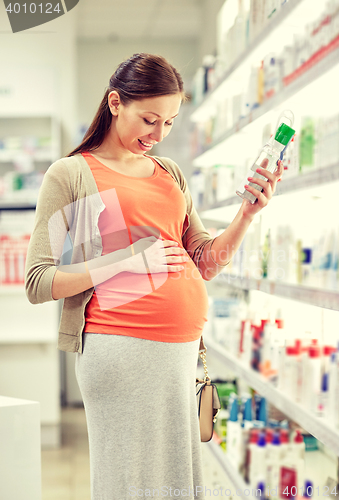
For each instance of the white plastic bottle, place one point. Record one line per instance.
(253, 439)
(234, 435)
(284, 442)
(246, 347)
(257, 472)
(291, 472)
(268, 158)
(330, 412)
(314, 378)
(291, 373)
(304, 375)
(298, 445)
(273, 468)
(291, 476)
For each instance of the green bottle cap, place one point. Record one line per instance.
(284, 134)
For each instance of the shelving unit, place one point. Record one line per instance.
(243, 489)
(20, 205)
(29, 360)
(317, 177)
(313, 424)
(28, 145)
(271, 26)
(297, 85)
(327, 299)
(219, 152)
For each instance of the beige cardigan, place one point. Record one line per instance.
(69, 205)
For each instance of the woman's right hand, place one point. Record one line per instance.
(154, 255)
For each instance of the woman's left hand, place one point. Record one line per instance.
(264, 196)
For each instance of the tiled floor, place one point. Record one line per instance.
(65, 471)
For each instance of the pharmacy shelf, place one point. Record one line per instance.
(316, 426)
(17, 205)
(271, 26)
(7, 156)
(305, 180)
(328, 299)
(12, 289)
(319, 69)
(242, 488)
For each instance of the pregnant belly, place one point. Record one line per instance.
(171, 304)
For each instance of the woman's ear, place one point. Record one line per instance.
(114, 102)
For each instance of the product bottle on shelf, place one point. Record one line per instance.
(314, 377)
(257, 468)
(323, 396)
(273, 467)
(268, 158)
(284, 442)
(291, 473)
(298, 445)
(234, 435)
(291, 373)
(330, 412)
(253, 439)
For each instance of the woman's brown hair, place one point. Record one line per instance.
(141, 76)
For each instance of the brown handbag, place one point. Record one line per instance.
(207, 399)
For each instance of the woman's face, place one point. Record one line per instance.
(142, 124)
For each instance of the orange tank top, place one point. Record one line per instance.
(165, 307)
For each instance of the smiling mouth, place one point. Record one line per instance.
(146, 144)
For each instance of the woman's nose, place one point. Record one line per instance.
(158, 133)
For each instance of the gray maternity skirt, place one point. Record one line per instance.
(141, 412)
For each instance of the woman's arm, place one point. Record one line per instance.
(72, 279)
(223, 248)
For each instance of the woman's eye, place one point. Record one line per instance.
(169, 123)
(148, 123)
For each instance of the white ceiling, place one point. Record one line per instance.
(134, 19)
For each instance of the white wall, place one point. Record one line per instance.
(97, 61)
(52, 46)
(208, 39)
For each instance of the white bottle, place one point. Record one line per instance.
(268, 158)
(330, 412)
(278, 346)
(246, 352)
(269, 336)
(234, 435)
(304, 376)
(298, 445)
(291, 474)
(291, 373)
(273, 468)
(257, 472)
(284, 443)
(314, 378)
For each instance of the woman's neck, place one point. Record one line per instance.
(112, 149)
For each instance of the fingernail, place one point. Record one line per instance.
(250, 178)
(246, 186)
(258, 170)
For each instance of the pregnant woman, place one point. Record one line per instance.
(135, 301)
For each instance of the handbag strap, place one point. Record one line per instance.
(202, 354)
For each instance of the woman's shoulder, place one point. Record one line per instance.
(172, 167)
(65, 163)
